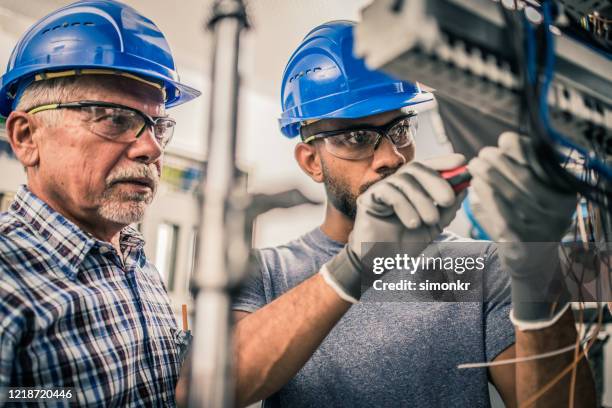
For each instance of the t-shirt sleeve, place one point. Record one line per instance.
(251, 295)
(499, 331)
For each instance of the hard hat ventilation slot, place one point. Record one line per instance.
(66, 24)
(302, 73)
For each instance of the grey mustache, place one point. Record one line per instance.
(133, 173)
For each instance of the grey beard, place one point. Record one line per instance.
(124, 208)
(127, 208)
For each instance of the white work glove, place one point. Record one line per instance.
(410, 207)
(528, 218)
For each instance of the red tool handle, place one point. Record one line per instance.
(458, 177)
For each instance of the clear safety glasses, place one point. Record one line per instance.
(116, 122)
(361, 143)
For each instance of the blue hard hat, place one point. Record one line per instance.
(324, 80)
(93, 35)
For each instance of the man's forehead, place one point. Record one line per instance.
(108, 86)
(326, 125)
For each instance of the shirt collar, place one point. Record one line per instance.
(131, 238)
(66, 242)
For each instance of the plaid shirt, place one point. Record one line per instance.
(73, 314)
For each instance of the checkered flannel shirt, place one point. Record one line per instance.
(73, 314)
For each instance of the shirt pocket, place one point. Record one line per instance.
(182, 340)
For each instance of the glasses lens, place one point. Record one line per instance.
(115, 123)
(402, 134)
(353, 145)
(164, 129)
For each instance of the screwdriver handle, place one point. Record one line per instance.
(459, 178)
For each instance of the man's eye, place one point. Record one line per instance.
(114, 120)
(358, 138)
(114, 123)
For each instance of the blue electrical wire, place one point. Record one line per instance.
(590, 160)
(479, 231)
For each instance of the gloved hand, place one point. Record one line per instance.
(528, 218)
(410, 207)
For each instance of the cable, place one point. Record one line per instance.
(559, 376)
(524, 359)
(535, 102)
(523, 42)
(572, 389)
(591, 160)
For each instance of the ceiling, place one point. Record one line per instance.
(277, 26)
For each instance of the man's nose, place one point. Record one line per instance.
(387, 157)
(145, 149)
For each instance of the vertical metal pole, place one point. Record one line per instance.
(211, 372)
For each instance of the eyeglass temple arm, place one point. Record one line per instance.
(43, 108)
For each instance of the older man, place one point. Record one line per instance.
(85, 94)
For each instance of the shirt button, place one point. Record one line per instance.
(103, 250)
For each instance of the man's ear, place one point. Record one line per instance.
(309, 159)
(20, 129)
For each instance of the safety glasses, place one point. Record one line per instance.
(361, 143)
(116, 122)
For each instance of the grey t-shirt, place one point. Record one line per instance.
(388, 353)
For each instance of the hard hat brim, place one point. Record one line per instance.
(366, 107)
